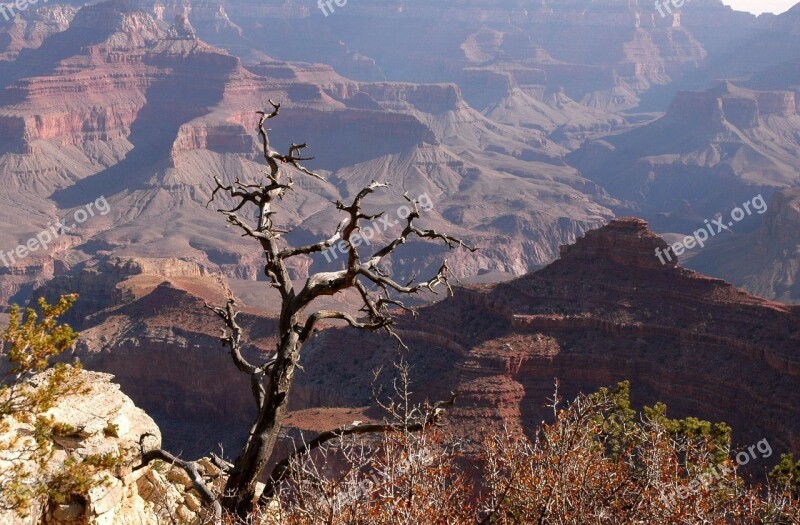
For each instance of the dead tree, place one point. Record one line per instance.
(271, 380)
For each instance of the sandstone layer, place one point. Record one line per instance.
(606, 311)
(131, 105)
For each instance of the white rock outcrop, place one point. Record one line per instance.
(105, 421)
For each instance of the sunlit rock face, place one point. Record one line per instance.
(106, 422)
(606, 311)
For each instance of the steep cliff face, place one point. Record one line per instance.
(725, 145)
(639, 48)
(628, 44)
(626, 242)
(107, 422)
(773, 40)
(780, 228)
(741, 107)
(27, 32)
(163, 347)
(107, 283)
(608, 310)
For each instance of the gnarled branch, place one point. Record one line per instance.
(272, 380)
(191, 469)
(231, 337)
(283, 469)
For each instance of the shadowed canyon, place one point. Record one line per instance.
(570, 142)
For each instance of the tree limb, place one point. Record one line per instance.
(335, 314)
(189, 466)
(283, 469)
(375, 287)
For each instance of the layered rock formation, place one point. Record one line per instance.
(625, 242)
(113, 281)
(642, 48)
(132, 104)
(106, 422)
(606, 54)
(607, 311)
(163, 347)
(124, 105)
(28, 32)
(711, 152)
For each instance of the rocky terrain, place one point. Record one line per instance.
(527, 127)
(146, 114)
(518, 145)
(162, 345)
(623, 48)
(108, 422)
(529, 138)
(609, 54)
(145, 322)
(606, 311)
(710, 152)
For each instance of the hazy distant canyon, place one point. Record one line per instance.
(528, 124)
(543, 120)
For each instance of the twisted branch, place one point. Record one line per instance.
(231, 337)
(190, 467)
(283, 469)
(375, 288)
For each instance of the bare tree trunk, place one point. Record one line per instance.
(240, 491)
(378, 291)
